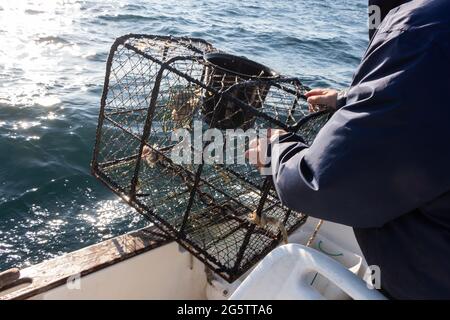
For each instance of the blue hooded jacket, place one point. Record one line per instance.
(382, 162)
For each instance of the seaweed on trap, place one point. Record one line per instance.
(157, 84)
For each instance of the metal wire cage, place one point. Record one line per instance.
(224, 212)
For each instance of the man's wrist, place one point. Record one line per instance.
(341, 99)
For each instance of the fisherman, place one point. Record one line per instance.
(382, 162)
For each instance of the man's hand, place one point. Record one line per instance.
(274, 134)
(321, 97)
(257, 152)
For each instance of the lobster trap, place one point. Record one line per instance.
(159, 93)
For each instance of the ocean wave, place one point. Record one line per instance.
(53, 40)
(97, 56)
(125, 17)
(33, 12)
(132, 7)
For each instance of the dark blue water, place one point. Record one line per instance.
(52, 61)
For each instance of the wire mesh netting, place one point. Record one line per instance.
(159, 92)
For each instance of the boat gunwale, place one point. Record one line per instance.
(58, 271)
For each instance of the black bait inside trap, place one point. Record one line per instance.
(227, 215)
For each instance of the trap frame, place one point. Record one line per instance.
(155, 85)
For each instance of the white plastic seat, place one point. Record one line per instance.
(284, 274)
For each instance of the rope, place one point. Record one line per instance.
(311, 240)
(313, 235)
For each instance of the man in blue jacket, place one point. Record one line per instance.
(382, 162)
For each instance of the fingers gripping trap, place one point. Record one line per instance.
(156, 85)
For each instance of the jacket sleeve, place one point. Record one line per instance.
(383, 154)
(341, 99)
